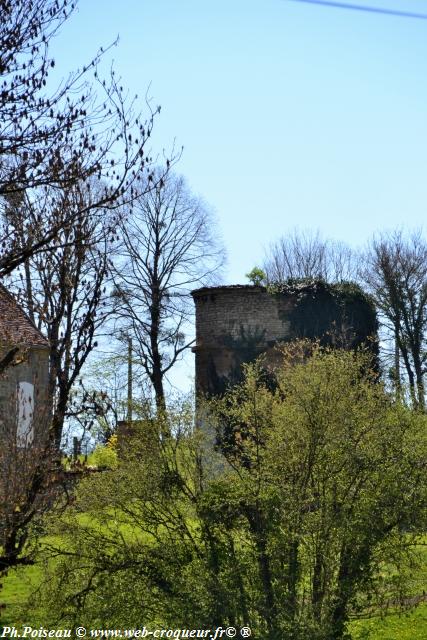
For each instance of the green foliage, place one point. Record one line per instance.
(256, 276)
(304, 520)
(104, 456)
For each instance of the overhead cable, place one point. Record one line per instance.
(357, 7)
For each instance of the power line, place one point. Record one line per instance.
(356, 7)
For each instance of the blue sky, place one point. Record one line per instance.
(290, 114)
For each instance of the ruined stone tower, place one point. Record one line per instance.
(235, 324)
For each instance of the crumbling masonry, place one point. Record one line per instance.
(235, 324)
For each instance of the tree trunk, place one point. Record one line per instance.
(317, 591)
(419, 379)
(397, 360)
(258, 528)
(219, 606)
(410, 373)
(244, 611)
(293, 573)
(352, 562)
(157, 371)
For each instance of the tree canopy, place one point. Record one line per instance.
(292, 531)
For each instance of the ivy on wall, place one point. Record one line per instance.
(335, 315)
(340, 315)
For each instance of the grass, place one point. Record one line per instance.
(411, 625)
(407, 625)
(18, 586)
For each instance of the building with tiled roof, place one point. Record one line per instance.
(15, 326)
(24, 383)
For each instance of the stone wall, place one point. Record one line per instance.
(236, 324)
(34, 369)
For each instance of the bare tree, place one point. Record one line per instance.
(169, 247)
(396, 274)
(110, 393)
(56, 138)
(63, 291)
(54, 145)
(305, 254)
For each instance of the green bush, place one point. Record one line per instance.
(104, 457)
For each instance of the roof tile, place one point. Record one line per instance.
(16, 328)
